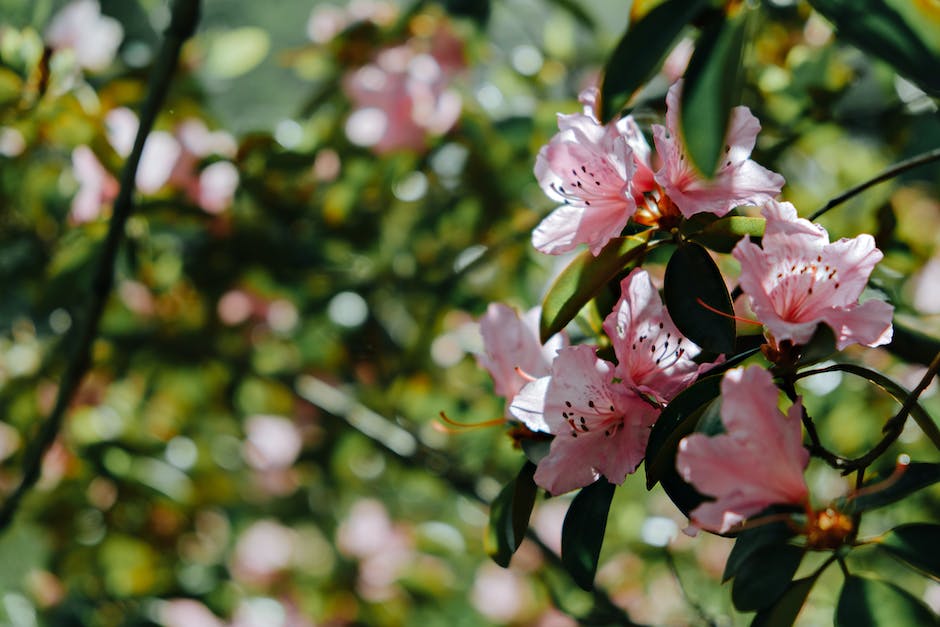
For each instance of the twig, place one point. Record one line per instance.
(893, 171)
(185, 16)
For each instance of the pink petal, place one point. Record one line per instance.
(567, 227)
(868, 323)
(528, 405)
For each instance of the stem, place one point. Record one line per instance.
(816, 447)
(893, 171)
(185, 16)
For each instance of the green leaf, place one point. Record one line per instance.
(871, 602)
(898, 392)
(536, 450)
(712, 87)
(583, 531)
(579, 282)
(752, 540)
(693, 282)
(642, 50)
(509, 516)
(881, 31)
(765, 575)
(783, 613)
(916, 544)
(913, 346)
(723, 234)
(915, 476)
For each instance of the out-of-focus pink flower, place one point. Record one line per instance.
(214, 187)
(262, 552)
(601, 426)
(678, 59)
(273, 442)
(798, 280)
(653, 356)
(96, 186)
(403, 96)
(94, 38)
(510, 344)
(160, 154)
(926, 295)
(327, 21)
(384, 550)
(187, 613)
(498, 593)
(738, 181)
(758, 462)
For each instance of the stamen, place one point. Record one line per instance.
(699, 300)
(525, 375)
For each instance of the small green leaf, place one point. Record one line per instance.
(917, 545)
(752, 540)
(509, 516)
(783, 613)
(583, 531)
(712, 86)
(694, 290)
(883, 32)
(579, 282)
(723, 234)
(915, 476)
(868, 602)
(764, 576)
(642, 50)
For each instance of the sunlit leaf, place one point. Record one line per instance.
(881, 31)
(641, 51)
(698, 301)
(765, 575)
(868, 602)
(916, 544)
(509, 516)
(583, 531)
(238, 51)
(723, 234)
(914, 477)
(712, 86)
(579, 282)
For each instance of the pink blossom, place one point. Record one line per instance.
(798, 280)
(758, 462)
(161, 150)
(653, 356)
(738, 181)
(590, 167)
(94, 38)
(214, 187)
(96, 186)
(511, 344)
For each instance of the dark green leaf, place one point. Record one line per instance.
(579, 282)
(764, 576)
(820, 347)
(917, 544)
(712, 87)
(783, 613)
(536, 450)
(574, 8)
(675, 422)
(868, 602)
(583, 531)
(878, 29)
(641, 51)
(694, 290)
(752, 540)
(913, 346)
(722, 235)
(509, 516)
(914, 477)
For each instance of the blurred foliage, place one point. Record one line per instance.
(258, 440)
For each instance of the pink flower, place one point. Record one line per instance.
(96, 186)
(510, 344)
(600, 425)
(653, 356)
(160, 153)
(738, 181)
(758, 462)
(799, 280)
(93, 37)
(589, 167)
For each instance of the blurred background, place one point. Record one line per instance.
(332, 195)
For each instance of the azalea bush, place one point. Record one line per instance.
(458, 313)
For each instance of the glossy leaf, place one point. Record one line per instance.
(694, 290)
(783, 613)
(912, 345)
(868, 602)
(917, 544)
(642, 50)
(579, 282)
(751, 541)
(509, 516)
(915, 476)
(723, 234)
(764, 576)
(712, 86)
(583, 531)
(880, 30)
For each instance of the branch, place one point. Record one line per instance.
(893, 171)
(183, 22)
